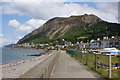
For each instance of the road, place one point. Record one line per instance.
(68, 67)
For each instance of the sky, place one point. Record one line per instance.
(18, 18)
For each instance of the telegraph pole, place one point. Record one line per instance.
(109, 73)
(95, 61)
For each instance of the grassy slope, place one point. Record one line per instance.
(92, 32)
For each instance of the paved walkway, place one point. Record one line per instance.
(68, 67)
(41, 70)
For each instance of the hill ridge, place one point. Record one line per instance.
(60, 27)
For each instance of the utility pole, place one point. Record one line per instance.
(86, 58)
(96, 62)
(119, 68)
(109, 73)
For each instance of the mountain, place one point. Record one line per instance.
(9, 46)
(71, 28)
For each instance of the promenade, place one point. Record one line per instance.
(68, 67)
(60, 65)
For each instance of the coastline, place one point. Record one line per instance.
(23, 54)
(15, 69)
(25, 48)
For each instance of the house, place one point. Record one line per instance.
(95, 43)
(82, 45)
(26, 45)
(114, 42)
(106, 43)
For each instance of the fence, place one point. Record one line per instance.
(98, 63)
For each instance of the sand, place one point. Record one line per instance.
(14, 70)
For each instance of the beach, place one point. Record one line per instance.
(16, 69)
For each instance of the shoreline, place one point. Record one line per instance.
(35, 55)
(15, 69)
(25, 48)
(19, 60)
(32, 55)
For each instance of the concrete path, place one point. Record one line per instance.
(43, 69)
(68, 67)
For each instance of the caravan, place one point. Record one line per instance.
(112, 51)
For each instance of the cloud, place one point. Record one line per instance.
(14, 23)
(35, 22)
(19, 37)
(33, 0)
(19, 28)
(1, 35)
(46, 10)
(6, 41)
(26, 27)
(108, 11)
(59, 0)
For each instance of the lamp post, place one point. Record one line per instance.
(109, 73)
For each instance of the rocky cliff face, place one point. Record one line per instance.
(58, 27)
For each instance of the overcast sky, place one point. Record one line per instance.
(20, 18)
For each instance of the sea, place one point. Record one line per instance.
(8, 55)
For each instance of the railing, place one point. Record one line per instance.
(98, 63)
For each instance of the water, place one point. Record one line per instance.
(8, 55)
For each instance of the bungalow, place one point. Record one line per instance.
(95, 44)
(114, 42)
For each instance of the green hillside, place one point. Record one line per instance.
(94, 31)
(74, 28)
